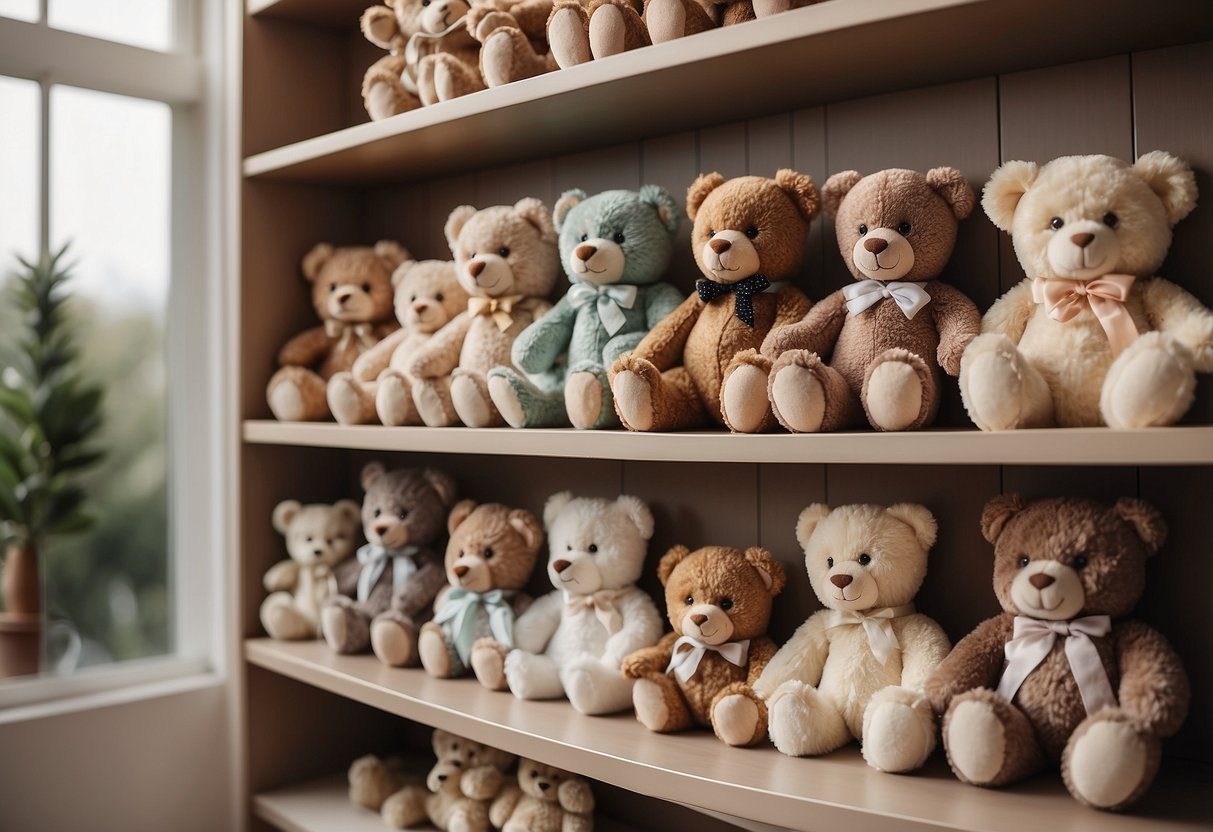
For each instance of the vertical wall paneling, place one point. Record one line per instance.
(809, 156)
(443, 196)
(599, 170)
(723, 149)
(783, 492)
(672, 162)
(506, 185)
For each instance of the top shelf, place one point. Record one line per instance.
(834, 50)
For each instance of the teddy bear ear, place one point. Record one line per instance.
(800, 187)
(372, 473)
(284, 513)
(807, 522)
(315, 259)
(401, 272)
(951, 184)
(461, 511)
(1172, 180)
(555, 505)
(442, 483)
(667, 208)
(537, 214)
(379, 25)
(567, 202)
(391, 253)
(918, 518)
(440, 738)
(665, 566)
(638, 513)
(837, 187)
(496, 758)
(1146, 521)
(455, 223)
(768, 568)
(1000, 197)
(997, 512)
(348, 509)
(528, 526)
(699, 190)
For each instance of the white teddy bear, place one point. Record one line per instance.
(856, 668)
(572, 641)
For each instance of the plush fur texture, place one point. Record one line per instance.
(1060, 559)
(718, 596)
(563, 647)
(492, 547)
(545, 799)
(826, 685)
(352, 296)
(402, 507)
(615, 238)
(883, 368)
(513, 38)
(1080, 218)
(743, 227)
(503, 255)
(318, 537)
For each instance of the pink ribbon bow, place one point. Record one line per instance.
(603, 605)
(1063, 299)
(1033, 639)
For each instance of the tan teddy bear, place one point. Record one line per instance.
(428, 295)
(545, 799)
(719, 602)
(489, 559)
(513, 38)
(749, 239)
(506, 259)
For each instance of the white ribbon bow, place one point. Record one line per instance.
(684, 664)
(1033, 639)
(608, 299)
(374, 557)
(877, 626)
(345, 333)
(909, 297)
(603, 605)
(461, 604)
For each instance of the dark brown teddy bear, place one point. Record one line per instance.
(1063, 675)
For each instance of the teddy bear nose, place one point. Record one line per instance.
(841, 581)
(699, 618)
(545, 786)
(441, 778)
(1082, 240)
(561, 565)
(460, 571)
(475, 268)
(318, 552)
(1040, 581)
(585, 252)
(875, 245)
(381, 528)
(420, 306)
(719, 246)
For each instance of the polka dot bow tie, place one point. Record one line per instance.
(710, 290)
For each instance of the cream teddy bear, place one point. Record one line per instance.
(856, 668)
(545, 799)
(1091, 336)
(573, 641)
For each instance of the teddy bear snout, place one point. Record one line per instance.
(1083, 250)
(1048, 589)
(883, 254)
(561, 565)
(585, 252)
(544, 786)
(699, 618)
(598, 260)
(719, 246)
(1041, 580)
(476, 267)
(730, 253)
(707, 622)
(1082, 240)
(460, 571)
(841, 581)
(875, 244)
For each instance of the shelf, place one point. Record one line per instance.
(832, 792)
(834, 50)
(334, 13)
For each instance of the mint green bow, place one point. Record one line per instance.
(465, 607)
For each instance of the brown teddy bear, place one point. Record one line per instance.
(1063, 675)
(513, 38)
(352, 295)
(719, 602)
(506, 259)
(545, 799)
(886, 335)
(489, 559)
(749, 238)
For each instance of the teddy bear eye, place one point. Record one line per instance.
(568, 547)
(425, 2)
(413, 299)
(904, 228)
(619, 238)
(309, 538)
(332, 287)
(593, 548)
(711, 232)
(751, 232)
(402, 514)
(1056, 223)
(863, 229)
(378, 511)
(488, 554)
(503, 252)
(585, 237)
(865, 559)
(830, 562)
(1080, 561)
(438, 297)
(1023, 561)
(689, 600)
(1110, 220)
(456, 764)
(366, 287)
(534, 773)
(726, 603)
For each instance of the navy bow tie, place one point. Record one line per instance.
(709, 290)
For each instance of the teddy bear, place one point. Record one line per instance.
(884, 336)
(572, 641)
(352, 295)
(513, 39)
(506, 259)
(615, 247)
(427, 295)
(489, 558)
(545, 799)
(1064, 675)
(718, 601)
(748, 239)
(1091, 336)
(318, 537)
(393, 579)
(856, 668)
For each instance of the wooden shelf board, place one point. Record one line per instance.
(835, 50)
(333, 13)
(832, 792)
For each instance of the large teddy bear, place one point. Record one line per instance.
(571, 642)
(390, 586)
(1063, 675)
(615, 246)
(506, 259)
(428, 295)
(1091, 336)
(352, 295)
(545, 799)
(856, 668)
(886, 335)
(489, 559)
(749, 239)
(718, 601)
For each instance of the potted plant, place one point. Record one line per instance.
(48, 415)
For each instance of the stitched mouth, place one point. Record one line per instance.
(568, 580)
(706, 634)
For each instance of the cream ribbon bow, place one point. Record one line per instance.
(461, 605)
(1031, 642)
(497, 308)
(1063, 299)
(608, 299)
(909, 297)
(346, 333)
(877, 626)
(603, 605)
(684, 664)
(374, 558)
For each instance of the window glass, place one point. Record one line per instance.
(145, 23)
(19, 150)
(20, 9)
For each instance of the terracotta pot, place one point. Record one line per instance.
(21, 622)
(22, 586)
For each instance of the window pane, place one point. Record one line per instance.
(19, 9)
(138, 22)
(19, 149)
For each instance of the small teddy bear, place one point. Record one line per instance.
(545, 799)
(571, 642)
(886, 335)
(749, 239)
(718, 601)
(1091, 336)
(855, 668)
(1063, 675)
(506, 259)
(513, 39)
(352, 295)
(318, 537)
(489, 559)
(395, 576)
(427, 295)
(615, 246)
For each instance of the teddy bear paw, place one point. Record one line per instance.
(431, 647)
(1108, 765)
(799, 398)
(346, 399)
(666, 19)
(287, 403)
(976, 741)
(894, 395)
(394, 400)
(1001, 391)
(802, 723)
(744, 399)
(582, 400)
(634, 397)
(766, 8)
(488, 663)
(473, 406)
(333, 627)
(507, 401)
(282, 621)
(392, 643)
(736, 720)
(1151, 384)
(649, 701)
(897, 736)
(567, 36)
(608, 31)
(369, 782)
